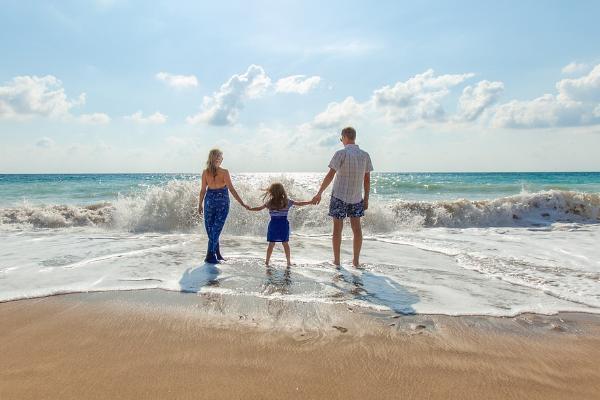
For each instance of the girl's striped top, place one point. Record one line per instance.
(282, 212)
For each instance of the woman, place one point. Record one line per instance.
(216, 184)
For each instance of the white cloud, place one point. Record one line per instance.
(586, 88)
(95, 118)
(45, 142)
(475, 99)
(542, 112)
(177, 81)
(574, 68)
(338, 114)
(418, 98)
(575, 104)
(297, 84)
(156, 118)
(255, 80)
(27, 96)
(223, 107)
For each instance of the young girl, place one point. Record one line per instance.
(278, 204)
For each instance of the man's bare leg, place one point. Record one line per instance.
(338, 225)
(357, 240)
(269, 252)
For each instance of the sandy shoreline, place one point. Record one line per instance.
(159, 345)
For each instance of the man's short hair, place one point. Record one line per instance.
(349, 132)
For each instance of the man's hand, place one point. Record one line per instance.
(326, 181)
(365, 204)
(316, 199)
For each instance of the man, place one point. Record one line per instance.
(351, 168)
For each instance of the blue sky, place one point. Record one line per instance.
(133, 86)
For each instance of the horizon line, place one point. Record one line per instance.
(306, 172)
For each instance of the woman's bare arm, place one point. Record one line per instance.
(257, 208)
(203, 185)
(232, 189)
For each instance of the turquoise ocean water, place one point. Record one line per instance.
(73, 189)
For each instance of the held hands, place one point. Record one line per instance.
(316, 199)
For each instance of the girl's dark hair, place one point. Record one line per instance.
(275, 197)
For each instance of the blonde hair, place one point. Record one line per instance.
(275, 197)
(211, 163)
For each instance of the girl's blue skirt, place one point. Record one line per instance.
(279, 230)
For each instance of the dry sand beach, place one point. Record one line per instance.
(154, 344)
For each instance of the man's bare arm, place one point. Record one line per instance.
(326, 181)
(302, 203)
(367, 188)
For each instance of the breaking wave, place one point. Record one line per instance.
(173, 207)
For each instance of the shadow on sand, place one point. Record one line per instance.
(378, 289)
(193, 279)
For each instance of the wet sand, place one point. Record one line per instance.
(114, 345)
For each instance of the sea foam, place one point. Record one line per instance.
(172, 207)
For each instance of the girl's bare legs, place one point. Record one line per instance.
(269, 252)
(286, 248)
